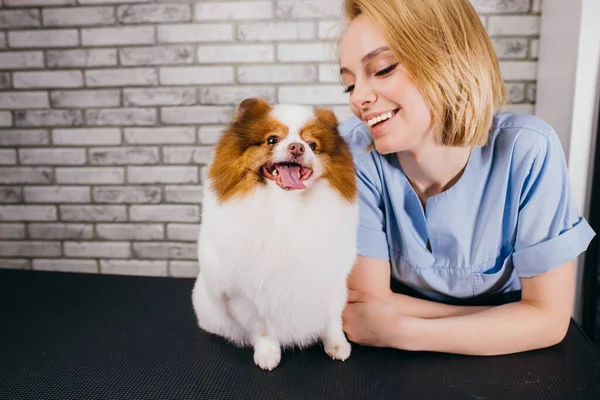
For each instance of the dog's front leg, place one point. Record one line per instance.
(334, 340)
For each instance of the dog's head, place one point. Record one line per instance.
(288, 147)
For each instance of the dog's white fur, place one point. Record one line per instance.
(273, 264)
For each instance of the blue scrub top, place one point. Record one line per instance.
(510, 215)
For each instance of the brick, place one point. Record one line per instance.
(184, 193)
(121, 77)
(93, 213)
(534, 48)
(530, 93)
(510, 48)
(78, 16)
(329, 73)
(112, 1)
(329, 30)
(19, 18)
(130, 231)
(32, 118)
(514, 25)
(306, 9)
(85, 98)
(86, 136)
(154, 13)
(273, 31)
(158, 96)
(54, 156)
(61, 231)
(203, 174)
(164, 213)
(90, 176)
(195, 33)
(44, 248)
(165, 250)
(25, 175)
(43, 3)
(27, 213)
(17, 100)
(518, 70)
(66, 265)
(57, 194)
(196, 115)
(500, 6)
(12, 231)
(162, 174)
(122, 35)
(81, 58)
(306, 52)
(4, 80)
(259, 53)
(182, 232)
(210, 134)
(162, 135)
(537, 6)
(48, 79)
(123, 155)
(8, 156)
(134, 267)
(157, 55)
(44, 38)
(195, 75)
(342, 113)
(14, 263)
(121, 116)
(276, 73)
(317, 95)
(233, 95)
(521, 108)
(3, 42)
(11, 194)
(97, 249)
(21, 59)
(5, 118)
(23, 137)
(183, 269)
(515, 92)
(233, 10)
(187, 155)
(127, 194)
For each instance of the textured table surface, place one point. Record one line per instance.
(117, 337)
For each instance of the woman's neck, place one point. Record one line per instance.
(433, 168)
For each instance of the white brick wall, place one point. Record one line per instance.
(109, 110)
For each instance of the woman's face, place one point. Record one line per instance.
(381, 93)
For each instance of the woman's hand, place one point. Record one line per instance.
(372, 320)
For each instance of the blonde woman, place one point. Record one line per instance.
(468, 229)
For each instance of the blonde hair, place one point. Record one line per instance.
(448, 55)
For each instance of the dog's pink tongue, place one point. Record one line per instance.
(290, 176)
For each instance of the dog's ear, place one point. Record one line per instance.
(251, 107)
(326, 117)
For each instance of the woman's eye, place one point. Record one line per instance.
(349, 89)
(387, 70)
(272, 140)
(312, 145)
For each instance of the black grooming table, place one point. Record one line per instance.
(80, 336)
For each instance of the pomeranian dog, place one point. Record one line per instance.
(278, 233)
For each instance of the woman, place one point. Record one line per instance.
(468, 229)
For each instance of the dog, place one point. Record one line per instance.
(278, 233)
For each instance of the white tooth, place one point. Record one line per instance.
(379, 118)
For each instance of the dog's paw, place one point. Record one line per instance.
(267, 355)
(338, 350)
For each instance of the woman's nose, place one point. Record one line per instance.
(363, 95)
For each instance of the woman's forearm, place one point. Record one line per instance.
(414, 307)
(504, 329)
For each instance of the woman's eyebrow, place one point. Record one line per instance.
(370, 55)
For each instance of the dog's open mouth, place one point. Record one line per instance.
(289, 175)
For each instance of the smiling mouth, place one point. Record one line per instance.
(381, 118)
(289, 175)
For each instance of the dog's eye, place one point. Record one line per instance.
(312, 145)
(272, 140)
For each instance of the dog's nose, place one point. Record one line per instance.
(297, 149)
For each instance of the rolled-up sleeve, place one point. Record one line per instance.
(372, 240)
(550, 230)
